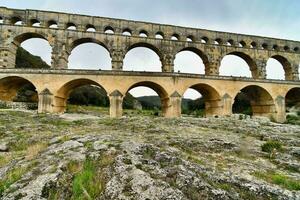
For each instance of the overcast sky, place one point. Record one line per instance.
(272, 18)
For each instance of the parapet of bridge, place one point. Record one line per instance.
(65, 31)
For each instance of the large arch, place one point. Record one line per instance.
(260, 100)
(62, 95)
(145, 54)
(203, 61)
(81, 51)
(10, 86)
(292, 101)
(162, 93)
(233, 61)
(34, 43)
(211, 98)
(287, 67)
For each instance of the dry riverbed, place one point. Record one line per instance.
(77, 156)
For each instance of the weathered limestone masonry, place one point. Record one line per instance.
(66, 31)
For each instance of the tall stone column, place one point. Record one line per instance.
(45, 102)
(281, 109)
(227, 104)
(117, 57)
(116, 101)
(8, 56)
(174, 108)
(59, 56)
(167, 61)
(295, 73)
(260, 71)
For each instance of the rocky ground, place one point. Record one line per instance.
(76, 156)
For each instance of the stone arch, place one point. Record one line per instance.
(211, 98)
(260, 99)
(9, 87)
(16, 19)
(249, 60)
(292, 100)
(198, 52)
(287, 67)
(147, 46)
(61, 97)
(81, 41)
(29, 35)
(34, 22)
(160, 90)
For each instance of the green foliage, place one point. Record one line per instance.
(26, 60)
(270, 146)
(10, 178)
(292, 119)
(242, 104)
(279, 179)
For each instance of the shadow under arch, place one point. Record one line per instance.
(287, 67)
(200, 53)
(80, 41)
(211, 97)
(260, 101)
(292, 100)
(162, 93)
(62, 95)
(250, 62)
(11, 85)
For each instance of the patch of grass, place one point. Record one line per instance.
(279, 179)
(4, 160)
(292, 119)
(33, 150)
(270, 146)
(11, 177)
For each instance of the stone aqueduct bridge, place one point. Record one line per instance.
(66, 31)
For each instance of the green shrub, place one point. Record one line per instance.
(270, 146)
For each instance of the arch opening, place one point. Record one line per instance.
(159, 35)
(109, 30)
(90, 28)
(254, 101)
(201, 100)
(238, 64)
(190, 60)
(204, 40)
(52, 24)
(89, 54)
(20, 91)
(35, 23)
(190, 38)
(82, 95)
(175, 37)
(33, 51)
(127, 32)
(16, 21)
(71, 26)
(1, 20)
(143, 33)
(292, 104)
(280, 67)
(142, 57)
(148, 98)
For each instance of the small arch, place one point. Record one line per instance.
(296, 49)
(286, 48)
(175, 37)
(127, 32)
(254, 100)
(18, 89)
(230, 42)
(143, 33)
(71, 26)
(209, 103)
(16, 21)
(1, 20)
(242, 44)
(190, 38)
(52, 24)
(109, 30)
(90, 28)
(218, 41)
(265, 46)
(275, 47)
(159, 35)
(253, 45)
(35, 23)
(61, 98)
(204, 40)
(159, 90)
